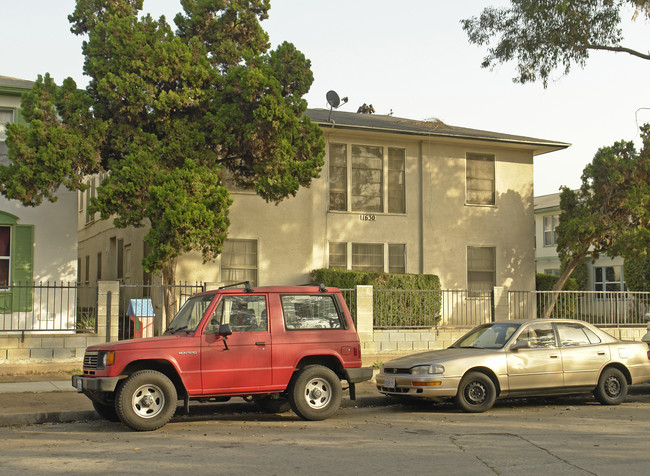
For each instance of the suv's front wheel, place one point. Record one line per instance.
(146, 400)
(315, 394)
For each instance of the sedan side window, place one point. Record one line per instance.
(572, 335)
(540, 336)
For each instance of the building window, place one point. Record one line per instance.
(338, 256)
(550, 230)
(609, 278)
(480, 179)
(367, 179)
(6, 118)
(5, 256)
(338, 176)
(481, 268)
(87, 269)
(239, 262)
(396, 179)
(90, 193)
(367, 188)
(368, 257)
(397, 258)
(99, 266)
(552, 271)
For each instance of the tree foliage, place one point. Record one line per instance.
(542, 36)
(167, 115)
(610, 212)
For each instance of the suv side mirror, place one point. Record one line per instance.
(520, 344)
(224, 330)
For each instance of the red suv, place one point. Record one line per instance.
(282, 347)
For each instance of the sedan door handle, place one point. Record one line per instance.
(261, 344)
(601, 353)
(554, 356)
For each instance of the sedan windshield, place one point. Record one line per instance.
(190, 315)
(487, 336)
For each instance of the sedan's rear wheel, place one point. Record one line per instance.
(476, 393)
(612, 387)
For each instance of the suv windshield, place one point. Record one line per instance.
(487, 336)
(190, 315)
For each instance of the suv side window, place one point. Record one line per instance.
(305, 312)
(243, 313)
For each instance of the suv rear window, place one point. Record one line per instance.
(305, 312)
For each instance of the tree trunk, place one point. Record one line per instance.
(169, 294)
(564, 277)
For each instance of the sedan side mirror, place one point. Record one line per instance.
(520, 344)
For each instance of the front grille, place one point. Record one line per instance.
(396, 371)
(90, 359)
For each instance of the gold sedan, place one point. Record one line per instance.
(521, 358)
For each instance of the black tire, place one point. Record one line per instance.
(476, 393)
(315, 393)
(107, 412)
(273, 405)
(611, 388)
(146, 400)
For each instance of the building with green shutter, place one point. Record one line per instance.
(37, 244)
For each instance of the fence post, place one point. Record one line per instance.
(363, 298)
(500, 302)
(108, 309)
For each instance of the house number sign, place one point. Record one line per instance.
(368, 217)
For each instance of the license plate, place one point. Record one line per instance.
(389, 382)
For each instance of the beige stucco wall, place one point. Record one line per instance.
(437, 227)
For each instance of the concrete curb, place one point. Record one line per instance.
(18, 419)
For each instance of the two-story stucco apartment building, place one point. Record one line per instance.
(395, 195)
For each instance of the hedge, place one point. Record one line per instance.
(391, 309)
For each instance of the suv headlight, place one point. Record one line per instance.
(106, 359)
(427, 369)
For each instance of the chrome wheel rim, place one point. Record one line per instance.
(148, 401)
(318, 393)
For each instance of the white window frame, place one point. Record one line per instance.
(385, 179)
(550, 235)
(348, 247)
(248, 268)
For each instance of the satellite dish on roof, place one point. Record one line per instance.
(334, 101)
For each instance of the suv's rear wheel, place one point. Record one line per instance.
(146, 400)
(315, 394)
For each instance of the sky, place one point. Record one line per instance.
(411, 58)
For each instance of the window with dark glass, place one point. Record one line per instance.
(480, 179)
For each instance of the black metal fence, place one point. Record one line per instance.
(48, 307)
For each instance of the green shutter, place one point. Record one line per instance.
(22, 258)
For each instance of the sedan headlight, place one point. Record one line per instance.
(427, 369)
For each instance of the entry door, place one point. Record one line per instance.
(243, 362)
(537, 367)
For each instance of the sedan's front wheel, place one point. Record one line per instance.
(612, 387)
(476, 393)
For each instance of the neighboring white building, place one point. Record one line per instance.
(37, 244)
(605, 273)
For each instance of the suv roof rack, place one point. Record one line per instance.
(247, 286)
(321, 286)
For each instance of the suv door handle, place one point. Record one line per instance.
(261, 344)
